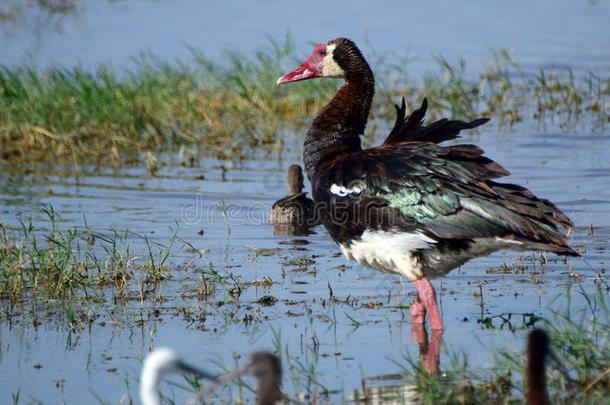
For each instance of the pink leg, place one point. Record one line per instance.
(427, 296)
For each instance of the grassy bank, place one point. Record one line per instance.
(230, 109)
(233, 108)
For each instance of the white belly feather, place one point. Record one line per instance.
(389, 251)
(415, 254)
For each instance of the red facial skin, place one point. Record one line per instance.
(311, 68)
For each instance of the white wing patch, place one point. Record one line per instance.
(342, 191)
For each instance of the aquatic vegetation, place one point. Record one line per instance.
(579, 375)
(61, 263)
(234, 110)
(78, 274)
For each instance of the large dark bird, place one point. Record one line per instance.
(411, 206)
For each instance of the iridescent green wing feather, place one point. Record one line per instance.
(449, 193)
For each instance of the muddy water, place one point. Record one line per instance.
(362, 332)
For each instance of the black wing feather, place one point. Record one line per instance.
(411, 128)
(447, 193)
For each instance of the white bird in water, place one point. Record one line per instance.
(265, 366)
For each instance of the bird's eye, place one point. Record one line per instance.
(323, 52)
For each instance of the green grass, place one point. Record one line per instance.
(75, 263)
(233, 109)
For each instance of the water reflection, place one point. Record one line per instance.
(292, 230)
(403, 392)
(37, 15)
(386, 394)
(98, 344)
(429, 350)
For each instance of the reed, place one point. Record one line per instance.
(234, 110)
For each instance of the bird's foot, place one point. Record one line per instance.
(418, 312)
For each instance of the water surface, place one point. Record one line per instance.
(104, 360)
(566, 33)
(362, 332)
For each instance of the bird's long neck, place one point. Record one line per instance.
(149, 387)
(337, 129)
(537, 352)
(268, 391)
(537, 394)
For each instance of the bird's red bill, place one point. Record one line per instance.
(311, 68)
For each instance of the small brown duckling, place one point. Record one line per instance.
(295, 209)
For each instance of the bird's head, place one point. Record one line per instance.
(337, 58)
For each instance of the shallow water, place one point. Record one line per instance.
(565, 33)
(103, 361)
(44, 359)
